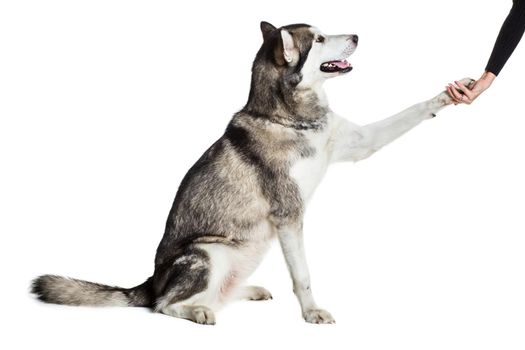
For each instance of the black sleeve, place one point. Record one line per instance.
(508, 38)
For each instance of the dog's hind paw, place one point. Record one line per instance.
(318, 316)
(202, 315)
(256, 293)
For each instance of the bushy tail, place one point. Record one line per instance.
(69, 291)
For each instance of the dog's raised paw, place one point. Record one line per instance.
(318, 316)
(468, 82)
(444, 98)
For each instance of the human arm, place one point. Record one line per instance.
(508, 38)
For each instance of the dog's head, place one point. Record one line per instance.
(304, 54)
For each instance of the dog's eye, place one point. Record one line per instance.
(320, 39)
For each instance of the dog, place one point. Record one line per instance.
(252, 185)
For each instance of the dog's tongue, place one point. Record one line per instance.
(341, 64)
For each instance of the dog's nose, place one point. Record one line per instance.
(354, 38)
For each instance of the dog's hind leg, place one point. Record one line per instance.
(196, 313)
(202, 279)
(186, 289)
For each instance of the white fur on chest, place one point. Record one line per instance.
(308, 172)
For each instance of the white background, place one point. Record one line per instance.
(104, 106)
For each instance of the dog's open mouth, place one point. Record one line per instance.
(339, 66)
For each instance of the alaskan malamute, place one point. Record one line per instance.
(252, 185)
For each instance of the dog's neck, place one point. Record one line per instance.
(282, 100)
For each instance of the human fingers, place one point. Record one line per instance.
(454, 93)
(466, 91)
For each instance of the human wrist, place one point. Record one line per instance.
(487, 78)
(484, 82)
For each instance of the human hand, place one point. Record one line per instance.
(463, 94)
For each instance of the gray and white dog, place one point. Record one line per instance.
(252, 185)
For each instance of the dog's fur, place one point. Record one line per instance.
(252, 185)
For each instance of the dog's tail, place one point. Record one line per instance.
(69, 291)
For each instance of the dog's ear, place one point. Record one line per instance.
(290, 52)
(267, 29)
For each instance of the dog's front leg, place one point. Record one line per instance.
(291, 241)
(352, 142)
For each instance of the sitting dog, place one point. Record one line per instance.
(252, 185)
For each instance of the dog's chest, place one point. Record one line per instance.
(309, 171)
